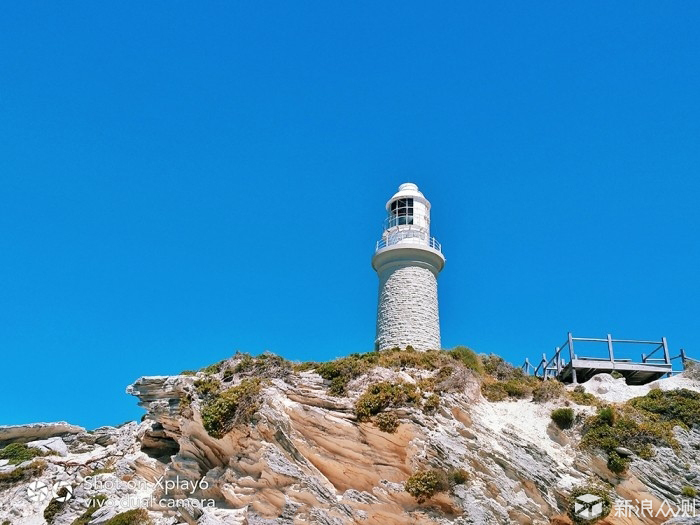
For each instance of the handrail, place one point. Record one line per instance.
(556, 364)
(409, 236)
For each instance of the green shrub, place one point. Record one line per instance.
(409, 358)
(616, 375)
(498, 368)
(341, 371)
(227, 375)
(93, 505)
(581, 397)
(231, 407)
(677, 406)
(493, 391)
(431, 404)
(55, 506)
(131, 517)
(688, 492)
(563, 417)
(384, 395)
(606, 416)
(424, 484)
(594, 489)
(19, 452)
(458, 476)
(22, 474)
(213, 369)
(444, 373)
(468, 358)
(387, 422)
(207, 387)
(104, 470)
(617, 463)
(305, 366)
(519, 388)
(266, 365)
(7, 522)
(643, 422)
(627, 427)
(188, 373)
(548, 391)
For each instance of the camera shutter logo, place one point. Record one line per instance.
(57, 491)
(588, 506)
(37, 491)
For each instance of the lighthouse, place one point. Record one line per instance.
(408, 260)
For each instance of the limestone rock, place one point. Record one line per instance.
(35, 431)
(306, 459)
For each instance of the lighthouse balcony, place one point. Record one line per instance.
(411, 237)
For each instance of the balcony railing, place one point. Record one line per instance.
(409, 237)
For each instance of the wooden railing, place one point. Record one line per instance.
(553, 366)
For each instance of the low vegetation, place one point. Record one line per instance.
(385, 394)
(18, 453)
(55, 506)
(22, 474)
(387, 422)
(579, 396)
(640, 424)
(468, 358)
(681, 407)
(548, 391)
(688, 492)
(563, 417)
(207, 387)
(424, 484)
(515, 388)
(431, 404)
(93, 505)
(343, 370)
(213, 369)
(265, 365)
(236, 405)
(616, 463)
(103, 470)
(130, 517)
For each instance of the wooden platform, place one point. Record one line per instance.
(579, 369)
(634, 373)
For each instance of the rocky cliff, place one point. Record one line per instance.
(392, 439)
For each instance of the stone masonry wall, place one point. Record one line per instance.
(407, 313)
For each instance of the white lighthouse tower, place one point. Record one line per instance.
(408, 260)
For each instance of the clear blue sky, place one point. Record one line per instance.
(182, 180)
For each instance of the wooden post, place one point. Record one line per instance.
(610, 351)
(667, 357)
(557, 353)
(544, 366)
(683, 359)
(574, 379)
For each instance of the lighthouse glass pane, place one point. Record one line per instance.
(401, 212)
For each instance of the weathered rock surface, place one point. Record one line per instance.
(35, 431)
(306, 459)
